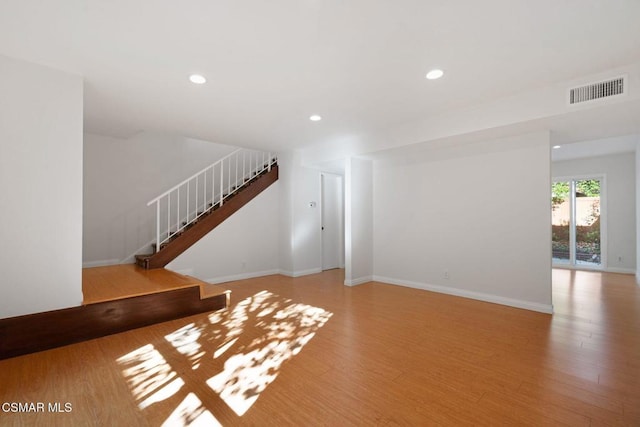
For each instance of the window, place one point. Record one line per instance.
(576, 207)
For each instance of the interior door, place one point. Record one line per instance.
(332, 247)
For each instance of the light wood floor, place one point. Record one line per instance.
(309, 351)
(115, 282)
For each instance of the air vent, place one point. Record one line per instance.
(597, 91)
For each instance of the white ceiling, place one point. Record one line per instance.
(599, 147)
(271, 64)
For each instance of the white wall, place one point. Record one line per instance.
(41, 187)
(307, 226)
(638, 213)
(358, 221)
(121, 176)
(481, 214)
(620, 193)
(300, 232)
(243, 246)
(285, 223)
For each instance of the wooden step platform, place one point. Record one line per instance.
(100, 284)
(116, 299)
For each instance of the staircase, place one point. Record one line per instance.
(191, 209)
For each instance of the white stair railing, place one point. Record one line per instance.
(183, 204)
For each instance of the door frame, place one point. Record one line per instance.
(341, 242)
(602, 177)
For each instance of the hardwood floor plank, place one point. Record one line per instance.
(528, 411)
(577, 400)
(310, 351)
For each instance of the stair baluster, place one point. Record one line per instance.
(203, 208)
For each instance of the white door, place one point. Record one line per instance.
(332, 234)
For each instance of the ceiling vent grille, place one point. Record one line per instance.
(595, 91)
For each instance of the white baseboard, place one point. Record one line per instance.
(358, 281)
(286, 273)
(241, 276)
(527, 305)
(299, 273)
(146, 249)
(101, 263)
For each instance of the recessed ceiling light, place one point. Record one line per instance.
(197, 79)
(555, 147)
(435, 74)
(315, 118)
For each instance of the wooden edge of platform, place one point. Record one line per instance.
(210, 290)
(42, 331)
